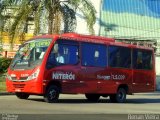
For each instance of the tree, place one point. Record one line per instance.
(66, 10)
(4, 4)
(3, 8)
(58, 12)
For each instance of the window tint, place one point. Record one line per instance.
(94, 55)
(67, 54)
(119, 57)
(142, 59)
(62, 54)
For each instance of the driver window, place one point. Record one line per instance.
(63, 54)
(59, 55)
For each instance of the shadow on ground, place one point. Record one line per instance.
(85, 101)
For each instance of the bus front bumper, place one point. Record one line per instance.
(31, 87)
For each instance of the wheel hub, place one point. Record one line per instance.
(52, 94)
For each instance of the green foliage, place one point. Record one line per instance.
(1, 49)
(2, 83)
(58, 12)
(4, 64)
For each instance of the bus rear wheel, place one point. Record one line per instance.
(52, 94)
(22, 95)
(92, 97)
(119, 97)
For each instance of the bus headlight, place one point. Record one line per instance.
(34, 75)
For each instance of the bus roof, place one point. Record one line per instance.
(100, 39)
(88, 38)
(91, 38)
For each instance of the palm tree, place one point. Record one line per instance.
(4, 4)
(3, 7)
(66, 10)
(2, 18)
(58, 12)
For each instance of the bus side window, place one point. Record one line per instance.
(59, 55)
(119, 57)
(94, 55)
(63, 54)
(70, 54)
(51, 59)
(147, 60)
(142, 59)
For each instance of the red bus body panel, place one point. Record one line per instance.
(100, 80)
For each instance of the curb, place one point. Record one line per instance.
(6, 93)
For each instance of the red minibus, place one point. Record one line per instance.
(71, 63)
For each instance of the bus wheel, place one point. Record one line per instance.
(119, 97)
(22, 95)
(92, 97)
(52, 94)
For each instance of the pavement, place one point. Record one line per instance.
(77, 104)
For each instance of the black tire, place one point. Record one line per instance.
(22, 95)
(120, 97)
(52, 94)
(92, 97)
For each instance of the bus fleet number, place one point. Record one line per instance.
(118, 77)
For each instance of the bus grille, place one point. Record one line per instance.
(20, 79)
(23, 78)
(19, 85)
(14, 78)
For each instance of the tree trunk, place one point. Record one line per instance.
(57, 23)
(50, 22)
(54, 18)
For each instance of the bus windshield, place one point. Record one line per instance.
(30, 54)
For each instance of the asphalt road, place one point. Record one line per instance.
(76, 106)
